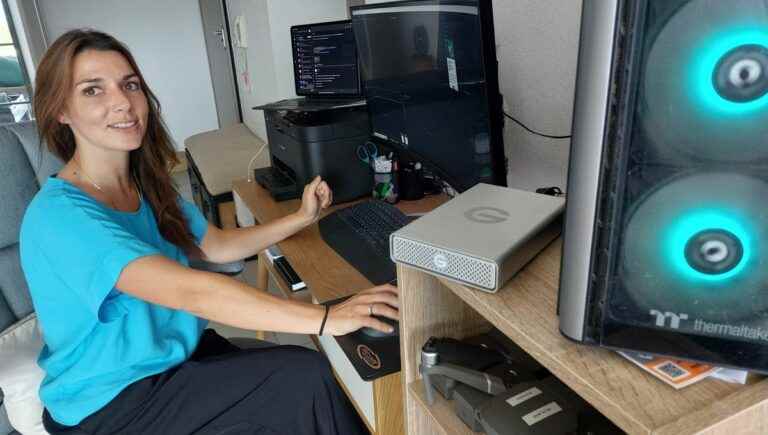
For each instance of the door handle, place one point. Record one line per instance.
(222, 35)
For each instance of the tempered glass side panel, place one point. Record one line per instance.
(689, 238)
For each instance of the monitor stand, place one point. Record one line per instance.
(314, 104)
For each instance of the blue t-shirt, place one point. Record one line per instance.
(98, 340)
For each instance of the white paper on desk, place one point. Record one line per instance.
(731, 375)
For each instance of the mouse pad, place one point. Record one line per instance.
(372, 357)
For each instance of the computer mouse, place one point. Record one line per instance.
(375, 333)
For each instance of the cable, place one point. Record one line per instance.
(553, 191)
(248, 175)
(434, 184)
(534, 131)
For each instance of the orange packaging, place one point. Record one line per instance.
(676, 373)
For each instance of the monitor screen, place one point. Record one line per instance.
(430, 78)
(325, 59)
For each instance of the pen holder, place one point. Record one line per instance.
(384, 181)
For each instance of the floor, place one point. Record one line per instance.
(248, 276)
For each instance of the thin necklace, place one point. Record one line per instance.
(90, 180)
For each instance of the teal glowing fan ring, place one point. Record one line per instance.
(698, 245)
(704, 83)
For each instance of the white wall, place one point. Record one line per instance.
(537, 48)
(286, 13)
(270, 61)
(261, 64)
(537, 44)
(166, 38)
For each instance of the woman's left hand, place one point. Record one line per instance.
(316, 197)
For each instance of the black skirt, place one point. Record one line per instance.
(223, 389)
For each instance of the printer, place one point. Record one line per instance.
(307, 143)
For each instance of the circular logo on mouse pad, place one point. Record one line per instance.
(368, 356)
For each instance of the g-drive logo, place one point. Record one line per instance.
(487, 215)
(661, 318)
(440, 261)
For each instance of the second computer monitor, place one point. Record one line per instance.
(325, 59)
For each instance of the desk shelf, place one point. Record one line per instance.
(524, 310)
(440, 417)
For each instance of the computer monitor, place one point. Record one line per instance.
(430, 77)
(325, 60)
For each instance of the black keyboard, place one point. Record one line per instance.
(360, 235)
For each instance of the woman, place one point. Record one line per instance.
(105, 247)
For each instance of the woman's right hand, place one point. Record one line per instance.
(358, 311)
(317, 196)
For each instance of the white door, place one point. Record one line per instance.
(217, 43)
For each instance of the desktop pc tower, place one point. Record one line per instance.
(666, 233)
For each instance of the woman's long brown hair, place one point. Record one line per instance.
(150, 164)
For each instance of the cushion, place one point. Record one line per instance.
(15, 303)
(43, 163)
(20, 376)
(18, 186)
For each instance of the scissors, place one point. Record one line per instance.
(367, 153)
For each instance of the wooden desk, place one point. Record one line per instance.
(328, 277)
(525, 311)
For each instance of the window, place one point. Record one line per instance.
(15, 88)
